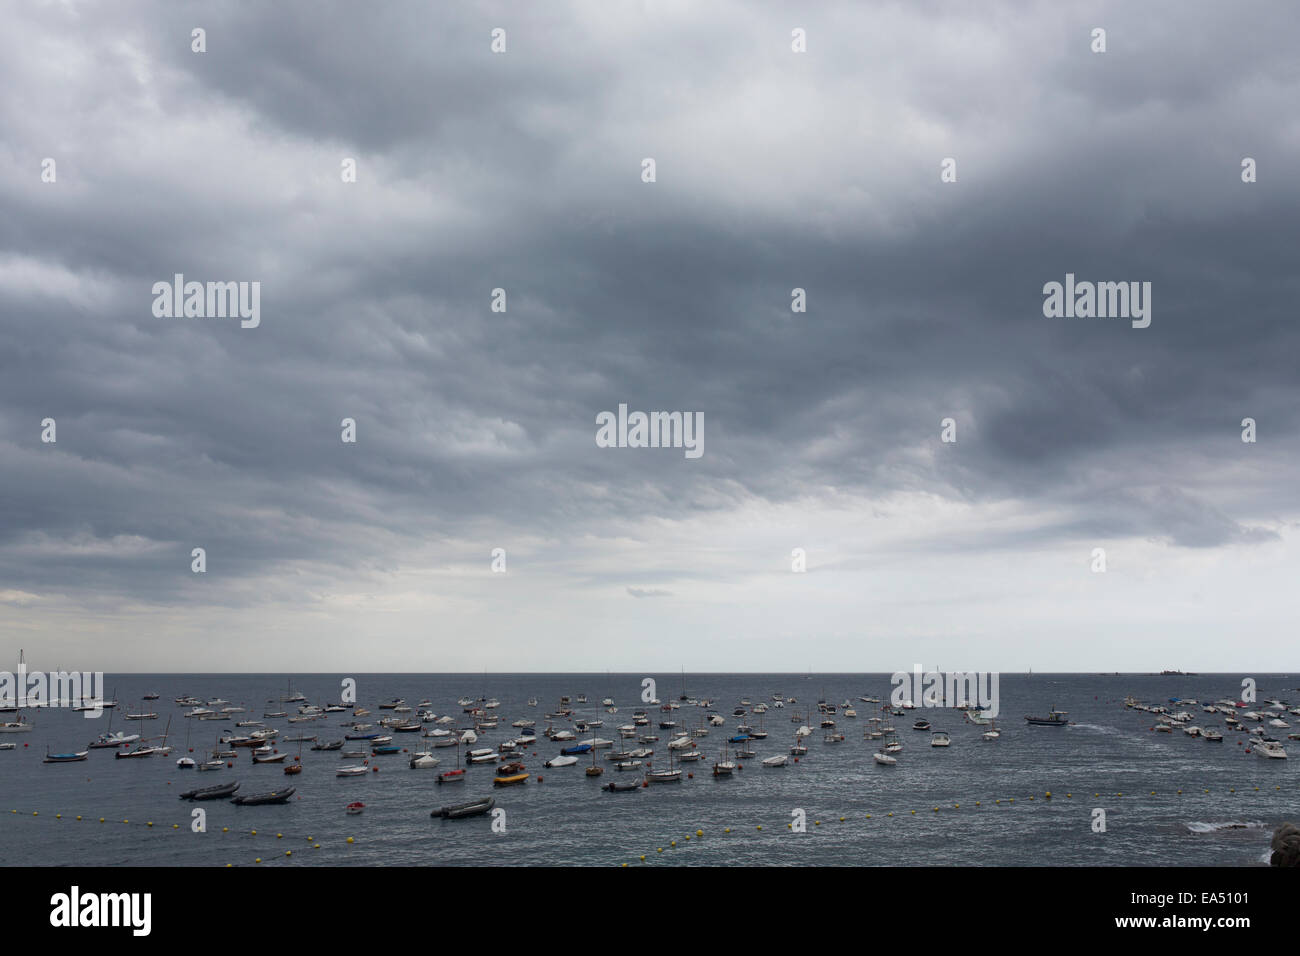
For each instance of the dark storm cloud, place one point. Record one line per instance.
(522, 171)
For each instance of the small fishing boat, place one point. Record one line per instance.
(940, 739)
(385, 749)
(884, 759)
(779, 760)
(614, 786)
(331, 745)
(357, 771)
(1054, 718)
(218, 792)
(269, 758)
(355, 808)
(458, 811)
(510, 780)
(262, 799)
(921, 724)
(66, 757)
(561, 762)
(452, 776)
(423, 761)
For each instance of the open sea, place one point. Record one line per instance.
(1169, 799)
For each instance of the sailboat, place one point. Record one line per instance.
(453, 776)
(671, 775)
(725, 766)
(186, 762)
(683, 694)
(594, 770)
(296, 766)
(18, 726)
(108, 739)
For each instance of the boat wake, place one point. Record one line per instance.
(1108, 731)
(1216, 827)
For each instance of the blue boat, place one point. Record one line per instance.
(739, 738)
(386, 749)
(575, 749)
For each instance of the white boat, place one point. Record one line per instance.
(423, 761)
(1270, 749)
(1192, 731)
(18, 726)
(940, 739)
(885, 759)
(561, 761)
(1211, 734)
(779, 760)
(350, 771)
(597, 743)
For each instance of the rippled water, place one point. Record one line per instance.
(1108, 759)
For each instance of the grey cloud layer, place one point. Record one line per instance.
(522, 171)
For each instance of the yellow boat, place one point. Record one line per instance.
(510, 780)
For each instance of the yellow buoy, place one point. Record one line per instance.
(349, 839)
(699, 833)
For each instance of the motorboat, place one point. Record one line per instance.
(356, 771)
(423, 761)
(779, 760)
(884, 759)
(940, 739)
(1054, 718)
(561, 761)
(921, 724)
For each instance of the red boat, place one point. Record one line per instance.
(356, 807)
(451, 776)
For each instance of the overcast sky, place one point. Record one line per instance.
(476, 430)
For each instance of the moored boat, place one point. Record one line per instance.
(460, 810)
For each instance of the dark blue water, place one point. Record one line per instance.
(1109, 758)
